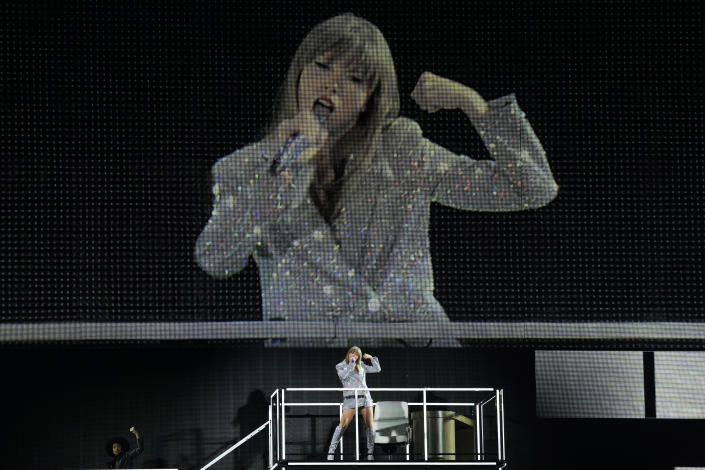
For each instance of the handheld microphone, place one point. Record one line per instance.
(295, 146)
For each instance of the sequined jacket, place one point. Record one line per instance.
(373, 262)
(350, 379)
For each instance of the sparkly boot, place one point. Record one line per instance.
(334, 442)
(370, 443)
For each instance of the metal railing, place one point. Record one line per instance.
(276, 426)
(278, 401)
(267, 424)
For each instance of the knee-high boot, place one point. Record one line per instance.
(334, 442)
(370, 443)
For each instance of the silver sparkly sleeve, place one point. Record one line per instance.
(344, 369)
(247, 199)
(375, 367)
(518, 177)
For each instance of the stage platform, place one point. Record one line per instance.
(428, 437)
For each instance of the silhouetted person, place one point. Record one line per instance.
(119, 449)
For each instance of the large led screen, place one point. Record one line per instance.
(419, 174)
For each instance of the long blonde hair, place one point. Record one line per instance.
(355, 39)
(356, 349)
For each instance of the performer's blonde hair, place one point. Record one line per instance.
(359, 42)
(356, 349)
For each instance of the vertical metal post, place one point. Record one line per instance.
(478, 420)
(357, 432)
(340, 416)
(425, 428)
(283, 424)
(499, 425)
(482, 430)
(501, 406)
(269, 435)
(279, 424)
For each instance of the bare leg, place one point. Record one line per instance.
(345, 419)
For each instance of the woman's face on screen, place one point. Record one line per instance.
(333, 88)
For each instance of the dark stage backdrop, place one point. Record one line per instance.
(64, 403)
(113, 113)
(189, 401)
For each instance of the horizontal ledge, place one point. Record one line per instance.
(389, 389)
(399, 463)
(311, 404)
(327, 330)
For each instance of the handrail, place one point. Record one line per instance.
(387, 389)
(496, 395)
(235, 446)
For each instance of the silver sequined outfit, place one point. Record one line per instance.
(373, 263)
(350, 379)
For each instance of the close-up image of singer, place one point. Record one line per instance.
(334, 203)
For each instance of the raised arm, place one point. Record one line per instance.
(375, 367)
(518, 177)
(132, 453)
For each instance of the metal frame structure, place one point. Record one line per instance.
(276, 428)
(496, 395)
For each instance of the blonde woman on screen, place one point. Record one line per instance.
(334, 203)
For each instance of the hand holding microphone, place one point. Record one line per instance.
(302, 137)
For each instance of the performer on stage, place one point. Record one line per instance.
(119, 449)
(334, 203)
(352, 372)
